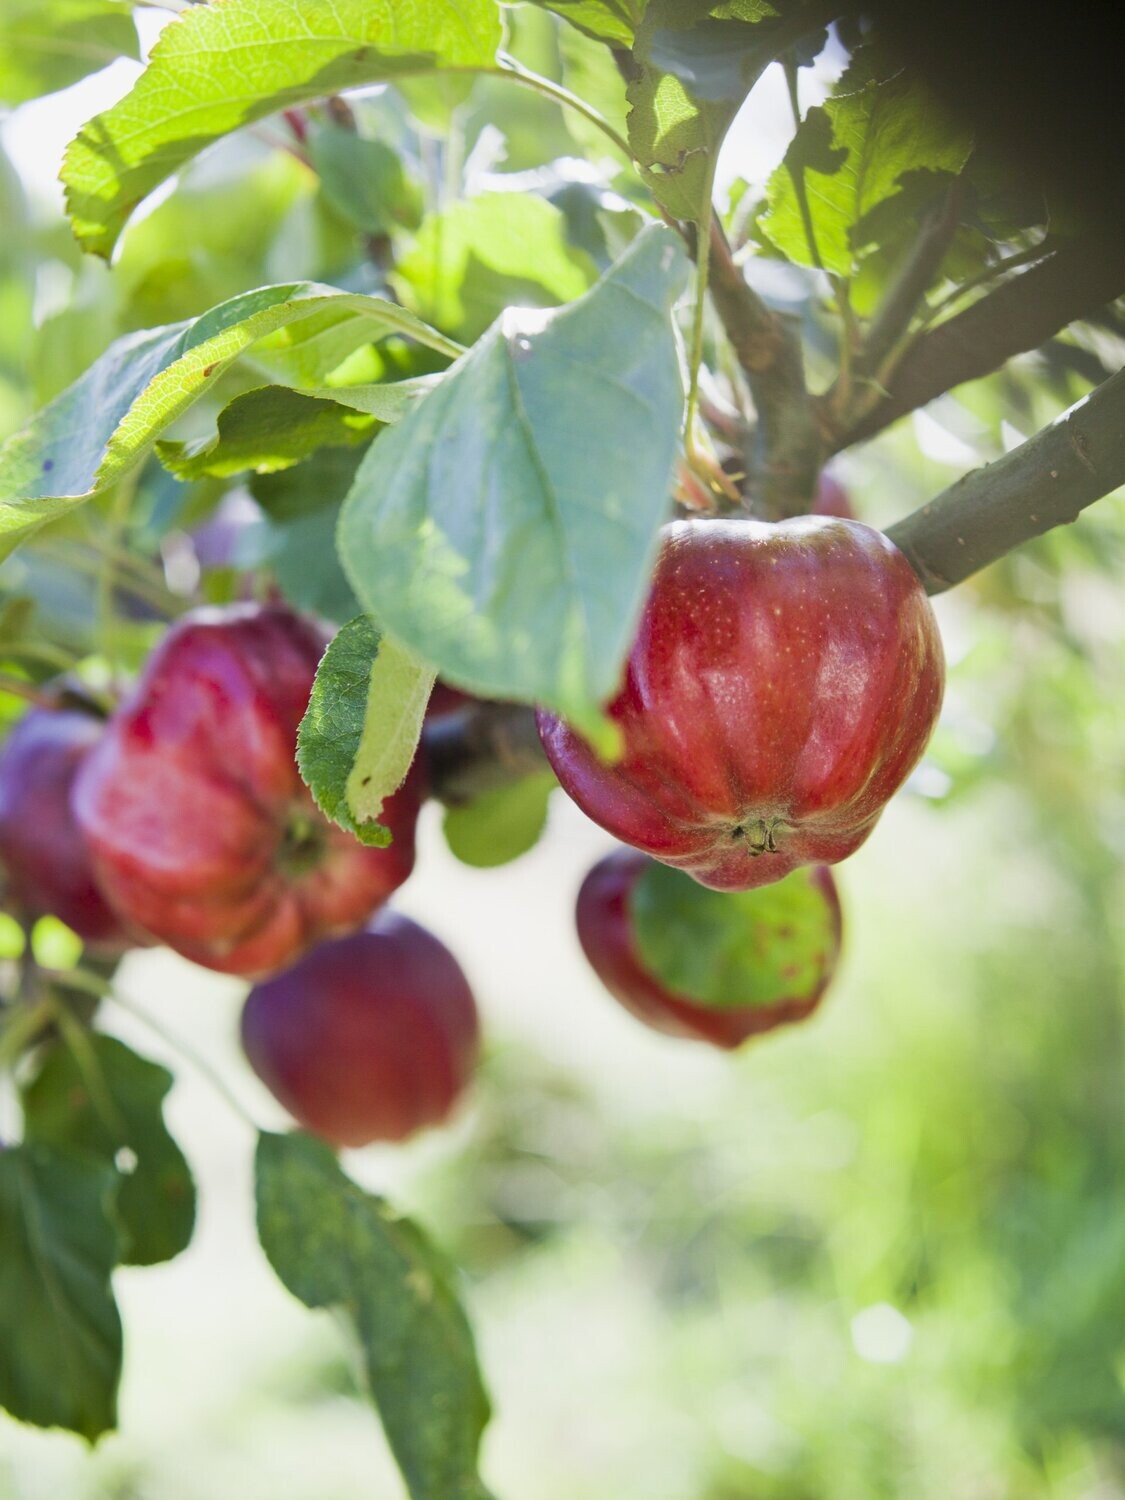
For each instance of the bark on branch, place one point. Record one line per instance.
(1045, 482)
(1073, 282)
(786, 451)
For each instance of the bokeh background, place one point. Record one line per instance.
(880, 1255)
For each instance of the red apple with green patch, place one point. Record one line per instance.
(718, 967)
(783, 683)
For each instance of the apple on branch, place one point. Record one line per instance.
(783, 683)
(367, 1037)
(199, 825)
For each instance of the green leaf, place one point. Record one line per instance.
(102, 426)
(505, 529)
(852, 153)
(216, 68)
(612, 21)
(267, 429)
(60, 1334)
(106, 1101)
(693, 70)
(727, 949)
(487, 253)
(361, 729)
(500, 825)
(365, 181)
(46, 45)
(334, 1245)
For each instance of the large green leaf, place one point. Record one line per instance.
(696, 60)
(612, 21)
(852, 154)
(334, 1245)
(102, 426)
(360, 732)
(728, 949)
(107, 1101)
(60, 1334)
(219, 67)
(488, 253)
(505, 528)
(47, 45)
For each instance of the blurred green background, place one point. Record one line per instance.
(881, 1255)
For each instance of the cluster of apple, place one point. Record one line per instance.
(783, 682)
(182, 820)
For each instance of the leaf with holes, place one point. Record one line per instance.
(695, 63)
(851, 155)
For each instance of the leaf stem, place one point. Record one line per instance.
(510, 68)
(695, 354)
(92, 984)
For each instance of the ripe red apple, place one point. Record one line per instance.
(47, 868)
(201, 829)
(366, 1038)
(832, 499)
(784, 681)
(606, 930)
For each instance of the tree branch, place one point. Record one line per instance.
(786, 451)
(1045, 482)
(1080, 277)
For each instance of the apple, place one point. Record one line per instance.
(46, 865)
(832, 499)
(607, 931)
(200, 829)
(366, 1038)
(783, 683)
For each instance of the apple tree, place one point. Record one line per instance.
(433, 415)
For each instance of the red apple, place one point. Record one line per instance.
(201, 829)
(367, 1038)
(47, 867)
(606, 931)
(832, 499)
(784, 681)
